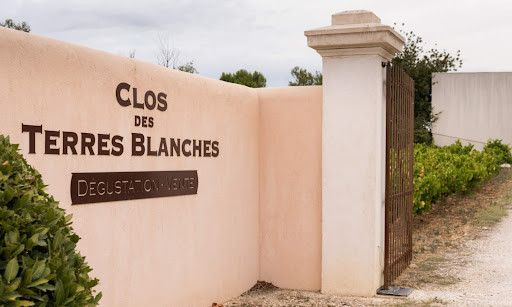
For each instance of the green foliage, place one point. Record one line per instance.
(302, 77)
(421, 135)
(502, 151)
(419, 63)
(9, 23)
(444, 170)
(188, 67)
(39, 265)
(255, 79)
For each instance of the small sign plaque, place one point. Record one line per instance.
(87, 188)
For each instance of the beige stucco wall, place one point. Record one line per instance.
(290, 186)
(474, 107)
(173, 251)
(186, 250)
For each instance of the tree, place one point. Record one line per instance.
(188, 67)
(242, 76)
(168, 56)
(419, 63)
(303, 77)
(22, 26)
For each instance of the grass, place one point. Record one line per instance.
(447, 281)
(426, 280)
(437, 259)
(427, 267)
(491, 215)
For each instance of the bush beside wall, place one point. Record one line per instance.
(39, 265)
(440, 171)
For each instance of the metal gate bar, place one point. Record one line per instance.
(399, 172)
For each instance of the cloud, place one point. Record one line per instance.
(263, 35)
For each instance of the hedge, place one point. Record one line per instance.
(39, 263)
(440, 171)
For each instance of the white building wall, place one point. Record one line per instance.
(474, 107)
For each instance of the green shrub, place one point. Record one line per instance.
(501, 150)
(39, 265)
(454, 168)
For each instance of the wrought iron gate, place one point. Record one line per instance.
(399, 172)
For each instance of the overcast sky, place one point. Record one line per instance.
(263, 35)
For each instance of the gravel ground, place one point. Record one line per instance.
(486, 280)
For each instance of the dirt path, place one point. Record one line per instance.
(462, 257)
(486, 277)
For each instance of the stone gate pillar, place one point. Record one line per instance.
(353, 49)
